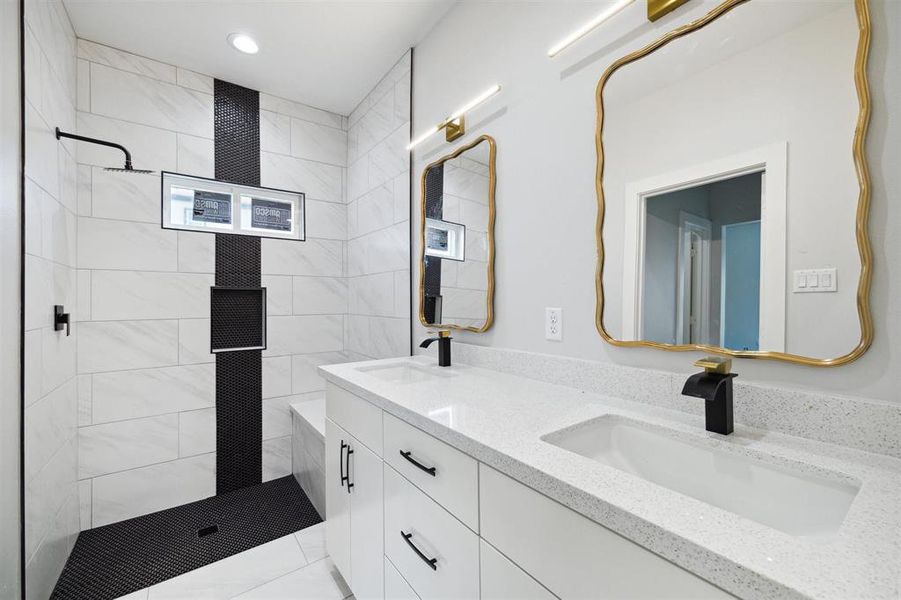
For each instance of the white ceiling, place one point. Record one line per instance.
(326, 53)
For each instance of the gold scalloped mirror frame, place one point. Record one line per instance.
(492, 185)
(863, 204)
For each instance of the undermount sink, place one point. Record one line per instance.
(405, 372)
(784, 498)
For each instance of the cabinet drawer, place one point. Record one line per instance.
(571, 555)
(356, 416)
(433, 551)
(396, 588)
(447, 475)
(502, 580)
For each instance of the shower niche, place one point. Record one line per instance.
(238, 319)
(213, 206)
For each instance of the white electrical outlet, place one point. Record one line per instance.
(553, 324)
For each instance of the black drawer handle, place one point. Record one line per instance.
(429, 470)
(350, 483)
(429, 561)
(341, 463)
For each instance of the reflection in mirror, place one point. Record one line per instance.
(729, 188)
(456, 268)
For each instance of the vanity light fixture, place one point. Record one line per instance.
(243, 43)
(587, 28)
(455, 125)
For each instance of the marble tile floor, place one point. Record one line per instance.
(293, 567)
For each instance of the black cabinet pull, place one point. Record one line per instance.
(417, 464)
(429, 561)
(350, 483)
(341, 463)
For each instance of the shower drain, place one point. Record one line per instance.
(209, 530)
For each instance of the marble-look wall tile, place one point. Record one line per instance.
(301, 111)
(196, 432)
(125, 196)
(195, 156)
(124, 395)
(318, 142)
(45, 564)
(304, 334)
(278, 294)
(194, 341)
(402, 294)
(41, 152)
(372, 295)
(32, 366)
(134, 295)
(276, 376)
(196, 252)
(85, 385)
(58, 232)
(150, 147)
(326, 220)
(375, 210)
(148, 489)
(304, 374)
(130, 97)
(125, 61)
(49, 424)
(383, 250)
(46, 492)
(84, 193)
(275, 132)
(320, 295)
(313, 257)
(117, 346)
(84, 504)
(121, 445)
(318, 181)
(194, 81)
(107, 244)
(58, 357)
(276, 458)
(277, 416)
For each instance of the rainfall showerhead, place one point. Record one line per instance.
(128, 168)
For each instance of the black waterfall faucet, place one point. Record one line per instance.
(444, 347)
(714, 385)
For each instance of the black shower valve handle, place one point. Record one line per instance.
(60, 319)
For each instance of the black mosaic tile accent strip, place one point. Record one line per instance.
(239, 420)
(239, 381)
(114, 560)
(434, 208)
(236, 133)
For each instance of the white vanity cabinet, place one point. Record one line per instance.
(354, 495)
(423, 520)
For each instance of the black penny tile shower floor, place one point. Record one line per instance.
(117, 559)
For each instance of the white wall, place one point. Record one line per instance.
(10, 301)
(378, 222)
(51, 492)
(544, 123)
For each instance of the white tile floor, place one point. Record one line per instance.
(294, 567)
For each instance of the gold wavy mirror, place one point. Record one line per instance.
(733, 190)
(456, 263)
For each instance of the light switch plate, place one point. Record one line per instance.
(553, 324)
(809, 281)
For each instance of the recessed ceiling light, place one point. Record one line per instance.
(243, 43)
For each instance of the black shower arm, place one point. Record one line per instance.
(81, 138)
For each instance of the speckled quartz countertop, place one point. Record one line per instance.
(499, 419)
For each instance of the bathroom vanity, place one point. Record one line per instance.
(464, 482)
